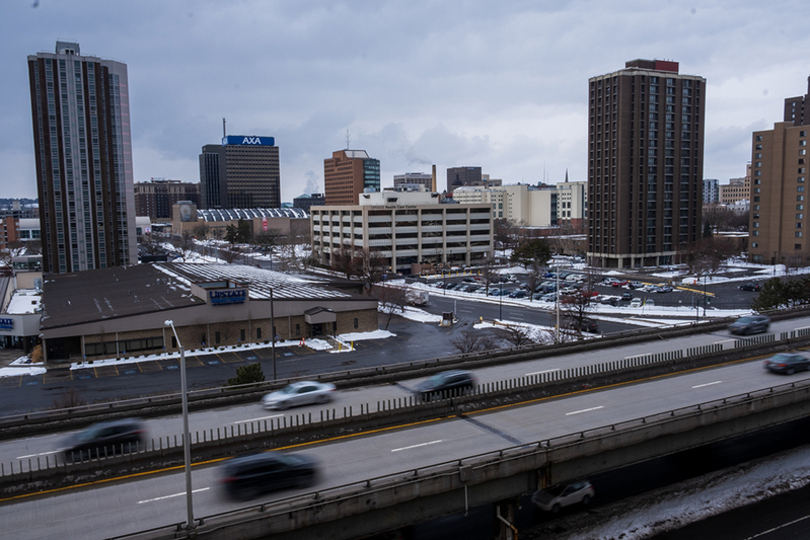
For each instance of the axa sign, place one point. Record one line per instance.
(251, 140)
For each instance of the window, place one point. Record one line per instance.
(799, 207)
(802, 134)
(756, 207)
(755, 244)
(755, 233)
(799, 197)
(798, 234)
(756, 225)
(797, 246)
(800, 188)
(759, 147)
(297, 329)
(216, 338)
(356, 323)
(799, 216)
(799, 225)
(258, 333)
(759, 138)
(242, 334)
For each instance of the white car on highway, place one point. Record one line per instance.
(299, 393)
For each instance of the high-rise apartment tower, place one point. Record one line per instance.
(645, 164)
(83, 151)
(779, 192)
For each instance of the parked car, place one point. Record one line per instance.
(549, 297)
(610, 300)
(608, 281)
(299, 393)
(446, 384)
(557, 497)
(619, 283)
(635, 284)
(750, 324)
(626, 297)
(787, 363)
(468, 280)
(247, 477)
(663, 289)
(518, 294)
(105, 438)
(635, 302)
(498, 292)
(753, 287)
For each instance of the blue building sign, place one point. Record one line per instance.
(6, 324)
(248, 140)
(222, 297)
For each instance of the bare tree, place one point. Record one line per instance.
(575, 308)
(184, 245)
(151, 244)
(229, 254)
(517, 336)
(67, 399)
(392, 300)
(466, 343)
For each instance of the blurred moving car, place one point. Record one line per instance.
(299, 393)
(750, 324)
(111, 438)
(753, 287)
(446, 384)
(555, 498)
(787, 363)
(246, 477)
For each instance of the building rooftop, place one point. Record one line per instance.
(220, 214)
(116, 292)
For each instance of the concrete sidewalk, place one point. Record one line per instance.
(7, 356)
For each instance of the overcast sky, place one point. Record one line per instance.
(501, 85)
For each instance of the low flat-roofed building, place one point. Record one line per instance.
(117, 312)
(409, 229)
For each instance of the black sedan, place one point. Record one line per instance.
(446, 384)
(752, 287)
(787, 363)
(105, 439)
(246, 477)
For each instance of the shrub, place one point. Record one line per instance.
(251, 373)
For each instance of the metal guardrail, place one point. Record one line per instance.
(277, 427)
(285, 506)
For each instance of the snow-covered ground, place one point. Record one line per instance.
(680, 504)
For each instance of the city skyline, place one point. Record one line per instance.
(501, 87)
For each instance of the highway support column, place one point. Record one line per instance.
(504, 522)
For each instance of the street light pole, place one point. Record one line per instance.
(186, 438)
(273, 333)
(557, 302)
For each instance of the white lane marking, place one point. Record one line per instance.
(256, 419)
(172, 496)
(584, 410)
(37, 455)
(541, 372)
(707, 384)
(416, 446)
(763, 533)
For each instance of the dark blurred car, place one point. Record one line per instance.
(554, 498)
(753, 287)
(246, 477)
(518, 294)
(446, 384)
(105, 439)
(787, 363)
(585, 325)
(750, 324)
(626, 297)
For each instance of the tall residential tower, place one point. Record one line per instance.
(645, 164)
(83, 151)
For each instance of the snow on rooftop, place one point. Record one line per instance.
(24, 301)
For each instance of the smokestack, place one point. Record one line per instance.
(223, 127)
(433, 180)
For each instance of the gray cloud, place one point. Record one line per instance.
(503, 86)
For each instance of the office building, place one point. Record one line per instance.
(469, 176)
(83, 152)
(154, 199)
(711, 191)
(737, 189)
(411, 179)
(307, 201)
(347, 174)
(645, 164)
(778, 219)
(242, 172)
(409, 229)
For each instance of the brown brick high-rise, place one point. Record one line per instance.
(645, 164)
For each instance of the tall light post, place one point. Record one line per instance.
(273, 333)
(557, 303)
(186, 438)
